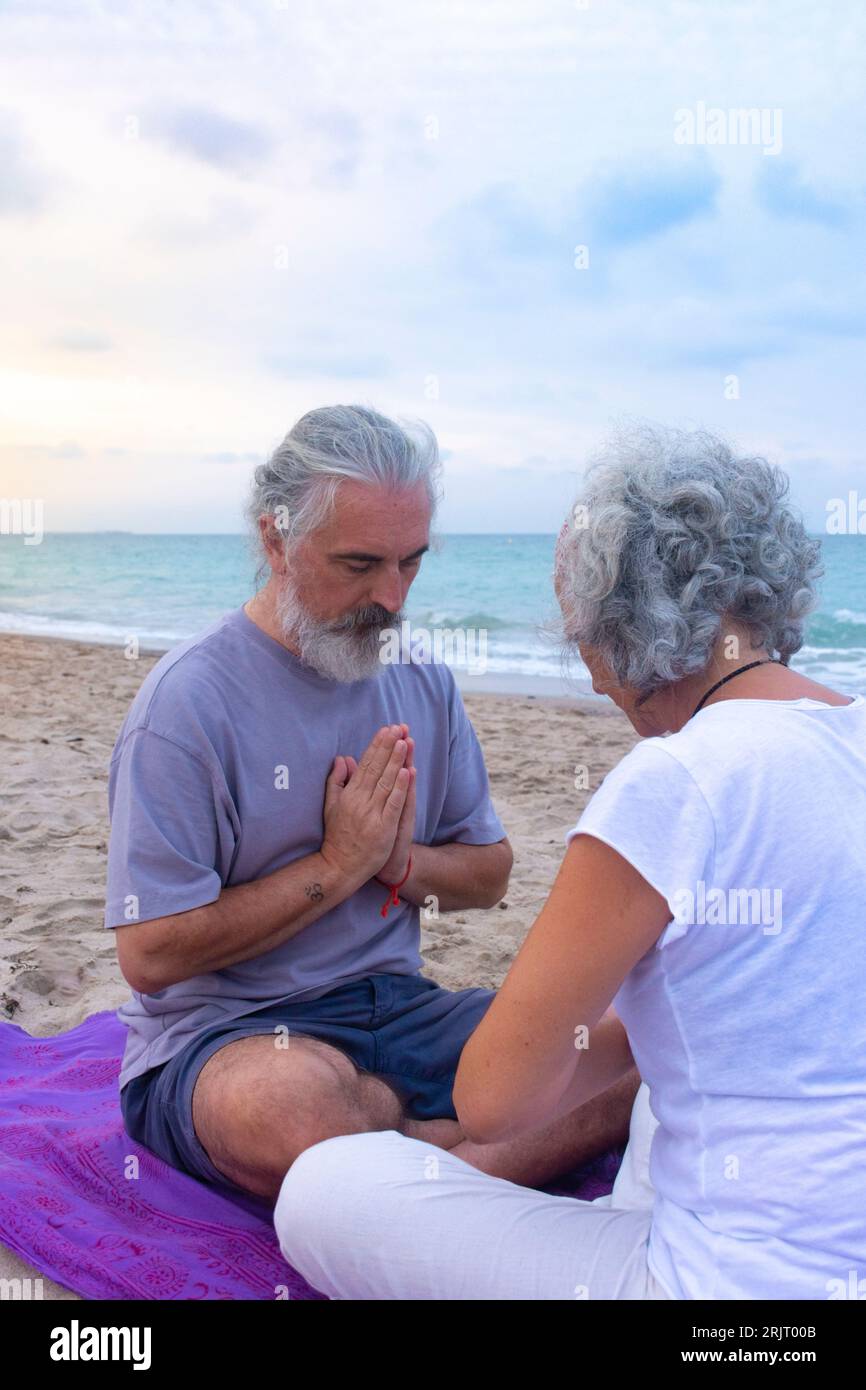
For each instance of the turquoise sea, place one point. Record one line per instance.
(107, 586)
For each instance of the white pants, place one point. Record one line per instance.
(381, 1216)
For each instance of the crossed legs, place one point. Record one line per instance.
(257, 1105)
(384, 1216)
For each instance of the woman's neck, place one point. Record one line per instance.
(774, 682)
(768, 681)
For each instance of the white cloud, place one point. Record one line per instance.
(222, 214)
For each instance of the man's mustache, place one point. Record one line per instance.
(371, 616)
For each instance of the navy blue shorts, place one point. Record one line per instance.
(405, 1028)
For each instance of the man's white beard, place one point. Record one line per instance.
(346, 649)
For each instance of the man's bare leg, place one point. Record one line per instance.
(543, 1154)
(258, 1104)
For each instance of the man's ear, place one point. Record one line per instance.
(273, 542)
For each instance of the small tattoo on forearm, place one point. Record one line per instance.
(314, 891)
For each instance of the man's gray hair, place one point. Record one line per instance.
(299, 482)
(671, 531)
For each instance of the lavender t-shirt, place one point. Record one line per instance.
(218, 778)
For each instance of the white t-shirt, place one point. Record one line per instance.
(747, 1019)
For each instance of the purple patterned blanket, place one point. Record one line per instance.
(74, 1205)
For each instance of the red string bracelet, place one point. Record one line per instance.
(392, 900)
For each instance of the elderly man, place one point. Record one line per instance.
(281, 804)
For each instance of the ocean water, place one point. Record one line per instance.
(110, 586)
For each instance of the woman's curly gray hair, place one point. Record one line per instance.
(672, 531)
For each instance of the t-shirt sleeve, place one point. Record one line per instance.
(467, 815)
(172, 835)
(650, 809)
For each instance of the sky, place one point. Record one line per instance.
(521, 222)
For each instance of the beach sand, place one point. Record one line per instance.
(63, 704)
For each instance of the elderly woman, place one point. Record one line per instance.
(706, 923)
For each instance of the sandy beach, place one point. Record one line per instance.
(63, 703)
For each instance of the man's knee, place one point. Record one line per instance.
(261, 1101)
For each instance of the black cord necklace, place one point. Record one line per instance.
(765, 661)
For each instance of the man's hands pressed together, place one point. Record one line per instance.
(369, 812)
(455, 875)
(394, 870)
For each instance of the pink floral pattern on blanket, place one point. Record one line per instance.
(105, 1217)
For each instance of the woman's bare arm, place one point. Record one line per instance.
(521, 1068)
